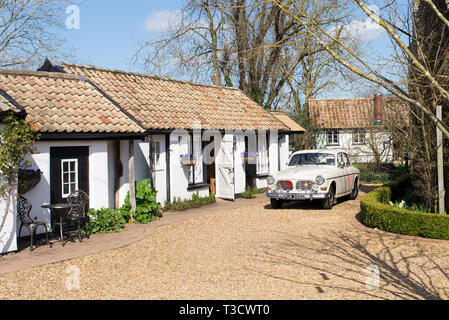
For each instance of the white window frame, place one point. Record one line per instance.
(156, 152)
(358, 137)
(335, 134)
(69, 183)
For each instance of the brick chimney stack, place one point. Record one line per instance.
(378, 112)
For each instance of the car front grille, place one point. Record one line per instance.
(304, 185)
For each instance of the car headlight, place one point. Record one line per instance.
(320, 180)
(271, 180)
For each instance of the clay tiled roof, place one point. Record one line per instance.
(353, 113)
(7, 106)
(169, 104)
(289, 122)
(62, 103)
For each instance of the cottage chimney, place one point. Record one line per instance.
(378, 116)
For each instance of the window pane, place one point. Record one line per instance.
(72, 166)
(66, 189)
(73, 177)
(65, 166)
(72, 187)
(65, 178)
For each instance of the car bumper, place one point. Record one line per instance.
(297, 196)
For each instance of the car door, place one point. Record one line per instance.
(348, 174)
(352, 174)
(342, 182)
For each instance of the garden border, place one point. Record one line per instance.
(375, 213)
(356, 223)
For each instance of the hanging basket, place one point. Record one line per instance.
(28, 180)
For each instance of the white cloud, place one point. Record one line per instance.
(366, 30)
(160, 21)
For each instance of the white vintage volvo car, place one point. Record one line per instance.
(324, 175)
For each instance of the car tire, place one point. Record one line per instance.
(328, 203)
(275, 203)
(355, 192)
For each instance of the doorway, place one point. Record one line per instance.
(69, 172)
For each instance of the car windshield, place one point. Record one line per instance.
(324, 159)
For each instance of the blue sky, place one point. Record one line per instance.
(110, 30)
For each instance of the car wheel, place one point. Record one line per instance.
(355, 192)
(276, 204)
(328, 203)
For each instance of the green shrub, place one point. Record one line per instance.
(147, 208)
(250, 193)
(370, 173)
(377, 213)
(105, 221)
(195, 202)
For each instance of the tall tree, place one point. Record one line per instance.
(253, 45)
(28, 30)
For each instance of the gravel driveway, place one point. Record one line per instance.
(300, 252)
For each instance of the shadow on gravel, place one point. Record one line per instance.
(306, 205)
(407, 270)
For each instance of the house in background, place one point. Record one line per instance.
(359, 126)
(99, 127)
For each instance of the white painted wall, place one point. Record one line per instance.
(179, 175)
(273, 150)
(239, 165)
(99, 192)
(284, 151)
(8, 235)
(359, 153)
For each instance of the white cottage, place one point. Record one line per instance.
(94, 122)
(361, 126)
(184, 118)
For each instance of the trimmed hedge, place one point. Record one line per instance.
(377, 213)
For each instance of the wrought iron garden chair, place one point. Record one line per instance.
(79, 201)
(23, 210)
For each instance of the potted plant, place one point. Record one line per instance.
(28, 179)
(249, 157)
(188, 160)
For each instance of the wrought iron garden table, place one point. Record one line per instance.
(60, 211)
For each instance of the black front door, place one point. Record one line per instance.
(69, 171)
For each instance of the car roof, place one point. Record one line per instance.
(330, 151)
